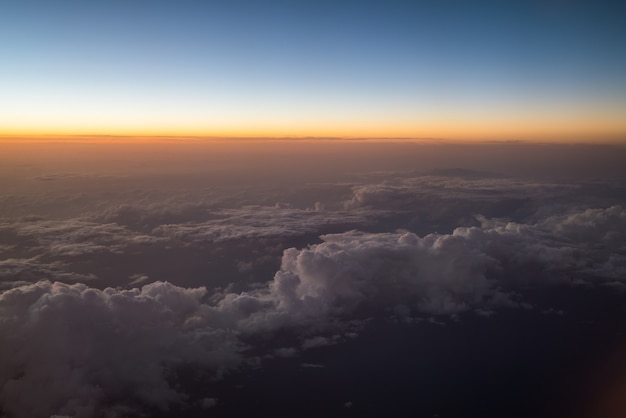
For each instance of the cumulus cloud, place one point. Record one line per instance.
(434, 274)
(588, 241)
(596, 226)
(378, 272)
(75, 350)
(471, 268)
(97, 350)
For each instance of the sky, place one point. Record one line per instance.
(483, 70)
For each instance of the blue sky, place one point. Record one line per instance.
(305, 65)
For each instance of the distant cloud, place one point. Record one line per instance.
(312, 366)
(320, 341)
(398, 192)
(30, 270)
(72, 176)
(76, 237)
(259, 222)
(207, 403)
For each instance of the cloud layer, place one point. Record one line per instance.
(250, 279)
(75, 349)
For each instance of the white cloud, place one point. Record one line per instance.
(438, 274)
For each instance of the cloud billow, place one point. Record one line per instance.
(110, 348)
(106, 348)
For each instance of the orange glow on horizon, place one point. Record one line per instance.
(570, 126)
(452, 132)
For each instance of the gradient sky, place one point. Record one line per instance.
(536, 70)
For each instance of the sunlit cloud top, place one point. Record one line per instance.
(466, 70)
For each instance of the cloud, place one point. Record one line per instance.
(471, 243)
(312, 366)
(260, 222)
(29, 270)
(473, 268)
(437, 274)
(112, 348)
(75, 350)
(400, 192)
(108, 349)
(286, 352)
(73, 176)
(75, 237)
(596, 226)
(379, 272)
(207, 403)
(378, 195)
(320, 341)
(151, 214)
(587, 241)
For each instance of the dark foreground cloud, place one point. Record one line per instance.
(79, 351)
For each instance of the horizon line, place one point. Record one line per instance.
(122, 138)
